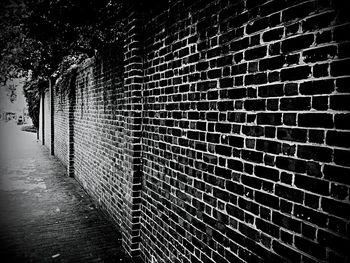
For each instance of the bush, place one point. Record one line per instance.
(29, 128)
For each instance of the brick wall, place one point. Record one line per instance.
(246, 125)
(45, 119)
(220, 135)
(60, 119)
(41, 127)
(99, 132)
(133, 109)
(47, 111)
(97, 135)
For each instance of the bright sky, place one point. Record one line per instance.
(19, 104)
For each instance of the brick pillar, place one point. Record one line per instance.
(71, 99)
(52, 110)
(43, 117)
(133, 83)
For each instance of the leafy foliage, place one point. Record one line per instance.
(42, 37)
(66, 70)
(32, 90)
(12, 92)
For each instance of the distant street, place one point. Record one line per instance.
(44, 215)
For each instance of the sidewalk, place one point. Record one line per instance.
(46, 216)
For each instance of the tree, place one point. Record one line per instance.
(40, 37)
(12, 92)
(32, 90)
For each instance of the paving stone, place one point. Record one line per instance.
(45, 216)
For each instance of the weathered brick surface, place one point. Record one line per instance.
(233, 117)
(132, 112)
(244, 133)
(61, 112)
(96, 135)
(99, 132)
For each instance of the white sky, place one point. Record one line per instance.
(19, 104)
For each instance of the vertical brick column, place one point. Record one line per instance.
(71, 101)
(133, 82)
(43, 117)
(52, 107)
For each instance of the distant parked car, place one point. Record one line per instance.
(19, 120)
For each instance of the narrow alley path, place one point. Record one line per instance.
(46, 216)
